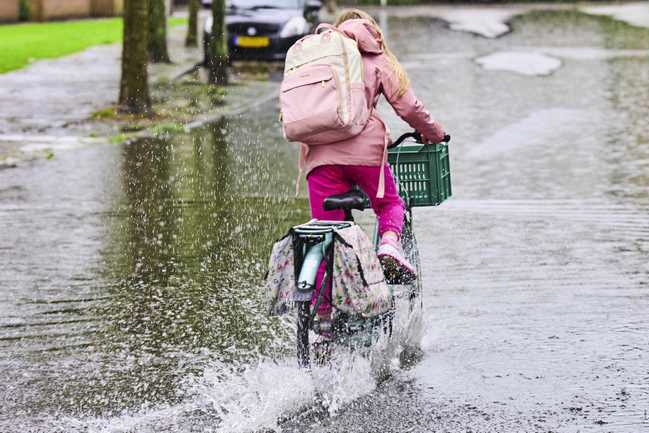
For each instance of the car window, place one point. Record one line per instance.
(264, 4)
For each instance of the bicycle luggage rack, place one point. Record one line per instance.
(306, 238)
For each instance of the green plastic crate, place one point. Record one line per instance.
(423, 173)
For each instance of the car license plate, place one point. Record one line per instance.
(252, 41)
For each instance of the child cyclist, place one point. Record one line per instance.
(361, 160)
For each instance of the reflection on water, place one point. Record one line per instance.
(189, 258)
(131, 275)
(179, 282)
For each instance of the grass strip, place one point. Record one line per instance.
(20, 44)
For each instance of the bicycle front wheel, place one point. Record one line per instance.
(411, 250)
(412, 324)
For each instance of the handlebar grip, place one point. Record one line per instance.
(402, 138)
(417, 136)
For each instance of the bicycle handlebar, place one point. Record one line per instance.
(417, 136)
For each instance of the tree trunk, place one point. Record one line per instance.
(158, 32)
(192, 28)
(331, 6)
(218, 48)
(134, 87)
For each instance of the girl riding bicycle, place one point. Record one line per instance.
(361, 160)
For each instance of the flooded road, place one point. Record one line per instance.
(130, 285)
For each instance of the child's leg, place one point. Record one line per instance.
(324, 181)
(390, 209)
(390, 212)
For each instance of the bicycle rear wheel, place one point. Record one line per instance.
(303, 319)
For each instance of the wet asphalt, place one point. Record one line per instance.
(131, 294)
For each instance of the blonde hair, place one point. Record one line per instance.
(352, 14)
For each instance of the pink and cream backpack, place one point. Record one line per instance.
(322, 96)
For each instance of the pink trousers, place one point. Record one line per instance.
(328, 180)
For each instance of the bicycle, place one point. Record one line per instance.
(312, 243)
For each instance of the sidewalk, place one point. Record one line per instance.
(47, 106)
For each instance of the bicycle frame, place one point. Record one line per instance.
(312, 245)
(316, 239)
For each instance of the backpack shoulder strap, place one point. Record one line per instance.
(327, 26)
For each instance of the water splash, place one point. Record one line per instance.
(249, 398)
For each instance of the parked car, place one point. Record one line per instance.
(264, 29)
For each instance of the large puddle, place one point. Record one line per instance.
(131, 275)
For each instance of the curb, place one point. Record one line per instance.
(206, 119)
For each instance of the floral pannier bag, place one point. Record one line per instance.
(359, 287)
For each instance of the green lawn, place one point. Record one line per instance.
(23, 43)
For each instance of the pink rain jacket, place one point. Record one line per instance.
(370, 146)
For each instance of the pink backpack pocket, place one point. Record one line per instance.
(310, 100)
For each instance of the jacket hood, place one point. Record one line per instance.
(368, 39)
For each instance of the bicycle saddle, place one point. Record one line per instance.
(352, 199)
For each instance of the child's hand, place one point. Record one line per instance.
(434, 134)
(438, 137)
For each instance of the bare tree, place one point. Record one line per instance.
(192, 27)
(218, 48)
(157, 45)
(134, 86)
